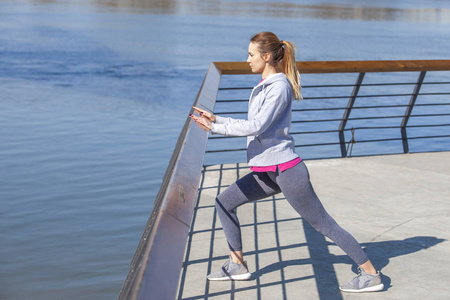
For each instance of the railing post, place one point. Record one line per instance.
(347, 112)
(409, 109)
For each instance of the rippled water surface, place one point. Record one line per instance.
(94, 95)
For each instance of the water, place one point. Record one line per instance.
(94, 95)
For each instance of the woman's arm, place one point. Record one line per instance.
(275, 102)
(213, 118)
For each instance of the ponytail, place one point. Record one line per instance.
(283, 55)
(289, 67)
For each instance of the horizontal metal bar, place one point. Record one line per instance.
(432, 104)
(367, 107)
(318, 109)
(430, 115)
(314, 145)
(399, 139)
(342, 85)
(226, 137)
(346, 96)
(375, 118)
(225, 150)
(342, 108)
(370, 84)
(312, 121)
(325, 97)
(235, 88)
(359, 96)
(372, 127)
(231, 113)
(429, 137)
(350, 119)
(356, 107)
(313, 132)
(375, 96)
(333, 131)
(433, 94)
(337, 143)
(379, 140)
(428, 125)
(234, 100)
(436, 82)
(372, 118)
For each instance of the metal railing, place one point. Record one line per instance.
(155, 268)
(378, 112)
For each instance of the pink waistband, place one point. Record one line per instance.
(282, 167)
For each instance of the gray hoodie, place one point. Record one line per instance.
(269, 121)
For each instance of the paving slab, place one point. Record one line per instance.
(396, 206)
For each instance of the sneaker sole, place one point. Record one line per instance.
(374, 288)
(245, 276)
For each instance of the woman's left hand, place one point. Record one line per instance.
(202, 121)
(205, 114)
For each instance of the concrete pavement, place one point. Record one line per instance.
(396, 206)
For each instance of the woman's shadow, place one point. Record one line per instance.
(322, 261)
(380, 253)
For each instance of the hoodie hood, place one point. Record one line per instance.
(272, 78)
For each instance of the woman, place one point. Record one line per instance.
(274, 164)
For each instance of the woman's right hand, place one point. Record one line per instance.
(205, 114)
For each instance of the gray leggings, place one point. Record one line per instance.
(297, 188)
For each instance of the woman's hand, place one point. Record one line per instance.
(202, 121)
(206, 114)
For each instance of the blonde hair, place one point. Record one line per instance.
(283, 55)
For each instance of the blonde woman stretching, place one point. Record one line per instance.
(274, 164)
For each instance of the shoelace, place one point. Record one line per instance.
(360, 272)
(225, 265)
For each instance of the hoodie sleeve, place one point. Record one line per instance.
(222, 120)
(276, 100)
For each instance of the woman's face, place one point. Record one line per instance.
(255, 59)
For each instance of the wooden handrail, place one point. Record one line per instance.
(228, 68)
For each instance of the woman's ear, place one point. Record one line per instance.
(267, 57)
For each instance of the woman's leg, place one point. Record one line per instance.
(297, 189)
(254, 186)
